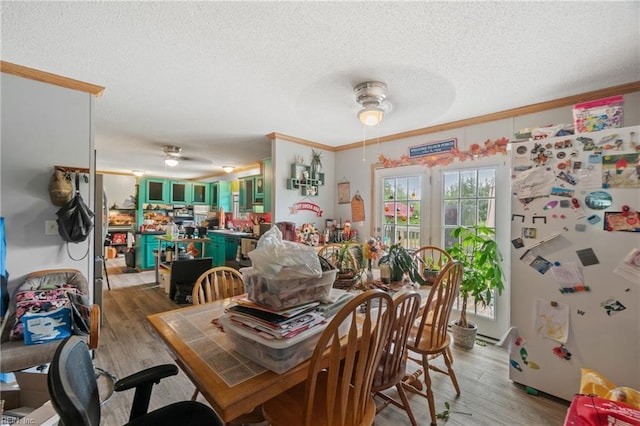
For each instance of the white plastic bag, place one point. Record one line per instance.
(275, 257)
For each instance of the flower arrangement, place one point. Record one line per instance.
(372, 250)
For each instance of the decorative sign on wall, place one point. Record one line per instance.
(357, 208)
(433, 148)
(305, 205)
(445, 158)
(343, 193)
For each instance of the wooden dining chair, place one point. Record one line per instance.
(429, 338)
(430, 258)
(337, 390)
(217, 283)
(393, 361)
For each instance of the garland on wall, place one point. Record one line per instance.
(475, 151)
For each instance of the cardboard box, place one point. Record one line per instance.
(34, 391)
(28, 398)
(10, 394)
(112, 252)
(165, 280)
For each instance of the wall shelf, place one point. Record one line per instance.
(304, 178)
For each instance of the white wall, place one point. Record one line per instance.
(42, 126)
(119, 188)
(284, 154)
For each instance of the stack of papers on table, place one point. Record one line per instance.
(336, 300)
(272, 324)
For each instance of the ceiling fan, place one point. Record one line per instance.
(372, 96)
(172, 155)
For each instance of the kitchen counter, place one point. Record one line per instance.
(229, 232)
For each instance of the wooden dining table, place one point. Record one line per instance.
(230, 382)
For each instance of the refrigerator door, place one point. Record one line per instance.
(571, 307)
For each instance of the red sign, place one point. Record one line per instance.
(306, 205)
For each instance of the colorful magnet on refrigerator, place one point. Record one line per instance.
(523, 355)
(519, 341)
(598, 200)
(612, 306)
(550, 205)
(577, 209)
(532, 365)
(515, 365)
(593, 219)
(562, 352)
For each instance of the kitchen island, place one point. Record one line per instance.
(163, 241)
(223, 246)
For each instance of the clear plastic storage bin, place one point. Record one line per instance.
(276, 293)
(276, 355)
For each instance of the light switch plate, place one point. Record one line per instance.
(50, 227)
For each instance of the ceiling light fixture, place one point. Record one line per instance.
(172, 155)
(371, 95)
(171, 161)
(138, 173)
(228, 169)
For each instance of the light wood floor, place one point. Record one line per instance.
(488, 396)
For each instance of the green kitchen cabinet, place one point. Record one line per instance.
(144, 252)
(247, 193)
(222, 247)
(200, 193)
(154, 191)
(180, 192)
(221, 195)
(216, 249)
(231, 248)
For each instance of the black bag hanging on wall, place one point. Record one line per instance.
(75, 219)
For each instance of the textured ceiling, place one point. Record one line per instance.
(216, 77)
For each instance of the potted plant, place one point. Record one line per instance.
(479, 253)
(316, 162)
(400, 263)
(347, 259)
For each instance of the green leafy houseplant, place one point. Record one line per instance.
(400, 262)
(346, 260)
(482, 261)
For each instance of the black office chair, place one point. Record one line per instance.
(74, 392)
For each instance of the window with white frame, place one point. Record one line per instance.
(401, 198)
(468, 198)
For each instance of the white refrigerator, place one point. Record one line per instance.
(575, 260)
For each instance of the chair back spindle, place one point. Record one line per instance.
(217, 283)
(393, 362)
(352, 374)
